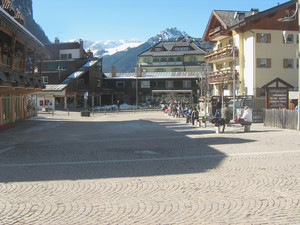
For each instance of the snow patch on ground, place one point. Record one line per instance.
(122, 106)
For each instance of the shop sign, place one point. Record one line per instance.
(277, 98)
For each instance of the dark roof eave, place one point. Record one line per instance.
(26, 32)
(261, 14)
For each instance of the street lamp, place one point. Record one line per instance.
(136, 83)
(289, 19)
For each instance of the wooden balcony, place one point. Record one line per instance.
(221, 54)
(19, 63)
(218, 34)
(222, 76)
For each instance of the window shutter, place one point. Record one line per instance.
(269, 38)
(269, 63)
(258, 63)
(285, 63)
(258, 38)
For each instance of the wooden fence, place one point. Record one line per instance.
(282, 118)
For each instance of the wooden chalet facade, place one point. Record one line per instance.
(70, 74)
(21, 57)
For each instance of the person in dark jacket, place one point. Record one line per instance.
(225, 114)
(195, 115)
(218, 109)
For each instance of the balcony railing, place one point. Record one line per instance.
(19, 63)
(167, 63)
(218, 34)
(222, 76)
(221, 54)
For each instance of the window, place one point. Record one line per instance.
(263, 63)
(50, 67)
(263, 38)
(288, 63)
(153, 84)
(219, 66)
(171, 60)
(147, 60)
(187, 84)
(287, 13)
(120, 84)
(176, 70)
(98, 83)
(155, 60)
(45, 79)
(159, 70)
(145, 84)
(157, 49)
(169, 84)
(163, 60)
(193, 59)
(288, 39)
(81, 81)
(133, 84)
(178, 59)
(181, 49)
(65, 56)
(61, 66)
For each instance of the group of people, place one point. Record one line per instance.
(179, 109)
(223, 116)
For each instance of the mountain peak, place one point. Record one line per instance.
(167, 34)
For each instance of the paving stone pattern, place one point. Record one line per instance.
(146, 168)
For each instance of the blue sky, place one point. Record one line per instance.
(126, 19)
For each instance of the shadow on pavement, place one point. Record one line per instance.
(71, 150)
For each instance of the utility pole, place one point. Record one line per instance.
(233, 77)
(136, 84)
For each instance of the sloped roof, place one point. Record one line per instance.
(82, 70)
(155, 75)
(22, 31)
(229, 19)
(73, 76)
(54, 87)
(169, 46)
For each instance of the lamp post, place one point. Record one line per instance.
(289, 19)
(136, 84)
(233, 77)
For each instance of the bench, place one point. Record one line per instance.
(245, 124)
(203, 121)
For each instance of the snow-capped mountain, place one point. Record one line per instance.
(109, 47)
(102, 48)
(167, 34)
(125, 61)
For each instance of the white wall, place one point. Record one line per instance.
(277, 51)
(75, 53)
(249, 62)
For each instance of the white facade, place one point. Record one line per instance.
(75, 53)
(248, 73)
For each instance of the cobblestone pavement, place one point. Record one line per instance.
(146, 168)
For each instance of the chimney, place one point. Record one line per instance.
(139, 71)
(81, 48)
(254, 11)
(90, 53)
(56, 40)
(113, 71)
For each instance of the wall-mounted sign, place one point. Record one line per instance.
(277, 97)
